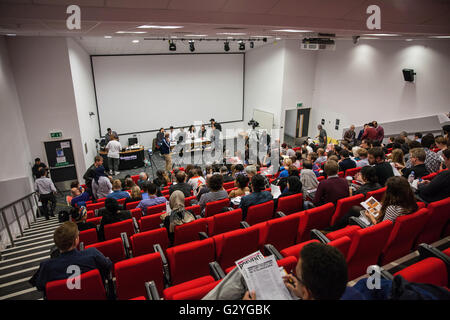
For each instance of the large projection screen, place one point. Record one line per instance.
(142, 93)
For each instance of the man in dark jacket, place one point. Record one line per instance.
(110, 215)
(181, 184)
(257, 196)
(438, 188)
(90, 173)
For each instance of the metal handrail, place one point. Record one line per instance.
(24, 211)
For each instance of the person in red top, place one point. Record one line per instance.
(380, 131)
(370, 133)
(333, 188)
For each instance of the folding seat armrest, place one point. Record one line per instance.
(161, 225)
(427, 251)
(202, 235)
(126, 244)
(197, 217)
(152, 292)
(157, 247)
(135, 224)
(244, 224)
(271, 250)
(216, 270)
(81, 246)
(110, 292)
(386, 274)
(358, 222)
(96, 212)
(280, 214)
(316, 234)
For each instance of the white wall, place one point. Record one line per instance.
(364, 82)
(80, 66)
(42, 72)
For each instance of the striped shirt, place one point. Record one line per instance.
(44, 185)
(393, 212)
(432, 161)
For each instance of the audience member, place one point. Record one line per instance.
(346, 163)
(225, 174)
(78, 198)
(110, 215)
(349, 135)
(117, 192)
(215, 185)
(178, 215)
(257, 196)
(370, 132)
(380, 131)
(369, 180)
(152, 200)
(90, 174)
(196, 181)
(241, 182)
(384, 169)
(333, 188)
(362, 155)
(438, 188)
(143, 178)
(441, 144)
(251, 171)
(308, 178)
(162, 179)
(418, 137)
(46, 190)
(432, 160)
(128, 183)
(134, 197)
(417, 159)
(397, 159)
(321, 156)
(79, 215)
(181, 184)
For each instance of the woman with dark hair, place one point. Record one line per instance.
(79, 217)
(397, 201)
(162, 179)
(369, 179)
(202, 132)
(111, 214)
(241, 182)
(293, 186)
(101, 185)
(191, 133)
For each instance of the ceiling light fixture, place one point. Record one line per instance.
(191, 46)
(159, 27)
(131, 32)
(382, 34)
(135, 41)
(232, 33)
(291, 30)
(11, 34)
(440, 37)
(226, 46)
(196, 35)
(108, 37)
(172, 46)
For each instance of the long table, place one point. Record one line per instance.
(129, 159)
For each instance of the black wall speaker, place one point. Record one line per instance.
(408, 75)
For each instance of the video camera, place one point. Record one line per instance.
(253, 123)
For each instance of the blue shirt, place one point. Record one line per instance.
(252, 199)
(56, 268)
(144, 195)
(118, 194)
(284, 174)
(144, 204)
(80, 200)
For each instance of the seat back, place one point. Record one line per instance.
(377, 194)
(113, 249)
(439, 215)
(95, 206)
(135, 178)
(366, 248)
(352, 172)
(296, 249)
(189, 231)
(132, 205)
(96, 220)
(290, 204)
(187, 201)
(90, 214)
(131, 274)
(136, 213)
(190, 260)
(196, 209)
(215, 207)
(341, 174)
(430, 176)
(405, 231)
(88, 236)
(233, 245)
(114, 230)
(342, 244)
(196, 293)
(228, 185)
(281, 232)
(430, 270)
(343, 205)
(316, 218)
(142, 243)
(260, 212)
(150, 222)
(159, 208)
(91, 288)
(224, 222)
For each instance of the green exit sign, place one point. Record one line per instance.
(300, 104)
(55, 134)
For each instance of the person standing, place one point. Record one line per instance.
(46, 189)
(90, 173)
(322, 136)
(38, 165)
(113, 147)
(202, 132)
(108, 135)
(165, 152)
(172, 134)
(380, 131)
(217, 126)
(370, 132)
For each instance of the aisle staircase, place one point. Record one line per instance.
(19, 263)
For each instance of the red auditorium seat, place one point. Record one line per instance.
(132, 205)
(142, 243)
(159, 208)
(95, 206)
(405, 231)
(316, 218)
(189, 231)
(430, 176)
(91, 288)
(215, 207)
(288, 263)
(190, 261)
(260, 212)
(342, 244)
(187, 201)
(320, 178)
(295, 250)
(196, 293)
(131, 274)
(228, 185)
(366, 248)
(88, 236)
(439, 215)
(290, 204)
(447, 252)
(196, 210)
(90, 214)
(224, 222)
(377, 194)
(150, 222)
(430, 270)
(341, 174)
(344, 205)
(233, 245)
(114, 230)
(135, 178)
(136, 213)
(113, 249)
(352, 172)
(96, 220)
(121, 201)
(281, 232)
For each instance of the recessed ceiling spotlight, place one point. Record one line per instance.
(11, 34)
(132, 32)
(440, 37)
(108, 37)
(196, 35)
(409, 40)
(159, 27)
(135, 41)
(173, 37)
(369, 38)
(277, 38)
(232, 33)
(382, 34)
(261, 36)
(291, 30)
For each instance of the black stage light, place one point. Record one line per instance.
(241, 45)
(226, 46)
(252, 44)
(191, 46)
(172, 46)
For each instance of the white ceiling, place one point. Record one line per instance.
(409, 18)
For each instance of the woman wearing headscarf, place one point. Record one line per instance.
(101, 186)
(111, 214)
(178, 214)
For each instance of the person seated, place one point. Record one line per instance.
(296, 161)
(346, 163)
(128, 183)
(117, 191)
(308, 178)
(369, 180)
(135, 196)
(101, 185)
(181, 184)
(321, 156)
(333, 188)
(411, 145)
(397, 159)
(144, 190)
(66, 238)
(432, 160)
(196, 181)
(293, 186)
(284, 169)
(417, 158)
(215, 185)
(241, 182)
(391, 143)
(111, 214)
(441, 144)
(162, 179)
(78, 199)
(152, 200)
(384, 169)
(315, 166)
(418, 137)
(237, 170)
(143, 178)
(226, 175)
(362, 155)
(178, 215)
(257, 196)
(398, 201)
(79, 216)
(438, 188)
